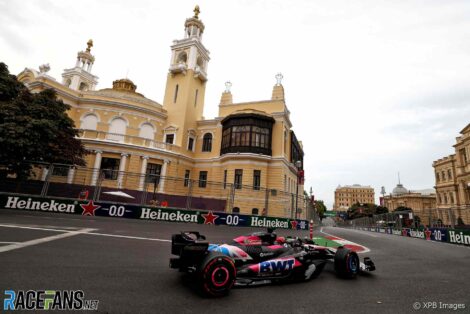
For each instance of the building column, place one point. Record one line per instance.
(143, 171)
(163, 175)
(70, 175)
(122, 167)
(96, 167)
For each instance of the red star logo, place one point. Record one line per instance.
(294, 224)
(428, 233)
(89, 209)
(209, 218)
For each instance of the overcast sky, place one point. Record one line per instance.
(373, 87)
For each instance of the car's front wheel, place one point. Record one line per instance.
(216, 274)
(347, 264)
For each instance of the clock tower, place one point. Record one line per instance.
(186, 81)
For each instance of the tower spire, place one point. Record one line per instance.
(399, 177)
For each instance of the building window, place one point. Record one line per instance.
(225, 179)
(235, 210)
(176, 94)
(443, 175)
(169, 139)
(117, 130)
(256, 179)
(463, 154)
(89, 122)
(254, 211)
(449, 174)
(452, 198)
(247, 133)
(195, 97)
(437, 177)
(238, 178)
(186, 177)
(110, 167)
(146, 131)
(207, 142)
(190, 143)
(153, 173)
(60, 171)
(202, 179)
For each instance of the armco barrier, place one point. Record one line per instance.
(108, 209)
(454, 236)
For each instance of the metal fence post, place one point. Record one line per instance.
(96, 195)
(266, 202)
(45, 186)
(232, 197)
(188, 197)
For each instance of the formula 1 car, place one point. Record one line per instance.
(258, 258)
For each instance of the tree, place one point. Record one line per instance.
(403, 208)
(321, 208)
(34, 127)
(381, 210)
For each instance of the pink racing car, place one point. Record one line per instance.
(258, 258)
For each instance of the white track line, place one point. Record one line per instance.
(3, 242)
(43, 240)
(126, 237)
(88, 233)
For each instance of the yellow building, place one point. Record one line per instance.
(346, 196)
(420, 201)
(452, 175)
(250, 146)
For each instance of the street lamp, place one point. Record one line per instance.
(298, 164)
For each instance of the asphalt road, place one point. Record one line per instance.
(124, 264)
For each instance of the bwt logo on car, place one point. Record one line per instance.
(276, 265)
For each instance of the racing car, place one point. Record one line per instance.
(258, 258)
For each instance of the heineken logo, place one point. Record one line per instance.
(174, 215)
(15, 202)
(459, 237)
(396, 232)
(417, 234)
(269, 222)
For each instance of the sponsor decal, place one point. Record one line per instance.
(16, 202)
(107, 209)
(89, 209)
(62, 300)
(169, 215)
(276, 265)
(209, 218)
(459, 236)
(417, 234)
(396, 232)
(269, 222)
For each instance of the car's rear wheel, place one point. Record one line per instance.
(347, 264)
(216, 274)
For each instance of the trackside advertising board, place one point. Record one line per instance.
(107, 209)
(455, 236)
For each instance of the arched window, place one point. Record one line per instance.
(89, 122)
(182, 57)
(235, 210)
(147, 131)
(207, 142)
(254, 211)
(68, 82)
(117, 129)
(83, 87)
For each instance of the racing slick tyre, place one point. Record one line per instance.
(347, 264)
(216, 274)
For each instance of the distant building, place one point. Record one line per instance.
(346, 196)
(420, 201)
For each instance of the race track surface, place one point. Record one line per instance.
(123, 263)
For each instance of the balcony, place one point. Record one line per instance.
(127, 139)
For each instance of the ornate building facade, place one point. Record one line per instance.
(249, 146)
(347, 195)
